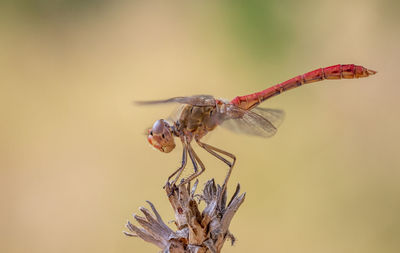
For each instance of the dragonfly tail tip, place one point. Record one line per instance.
(371, 72)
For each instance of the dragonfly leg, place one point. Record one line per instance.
(195, 159)
(182, 167)
(214, 151)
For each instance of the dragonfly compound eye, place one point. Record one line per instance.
(161, 137)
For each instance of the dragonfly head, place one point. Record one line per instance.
(161, 137)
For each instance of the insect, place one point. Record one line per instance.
(201, 114)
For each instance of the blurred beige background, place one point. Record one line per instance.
(74, 163)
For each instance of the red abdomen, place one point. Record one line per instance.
(347, 71)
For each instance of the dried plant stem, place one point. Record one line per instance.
(197, 232)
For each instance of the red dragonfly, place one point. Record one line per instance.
(200, 114)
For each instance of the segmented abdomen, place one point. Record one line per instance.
(347, 71)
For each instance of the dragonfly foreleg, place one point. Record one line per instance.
(196, 161)
(183, 165)
(213, 150)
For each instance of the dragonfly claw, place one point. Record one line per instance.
(168, 185)
(170, 188)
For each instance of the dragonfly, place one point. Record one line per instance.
(200, 114)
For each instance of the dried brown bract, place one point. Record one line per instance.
(197, 232)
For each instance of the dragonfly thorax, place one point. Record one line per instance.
(196, 120)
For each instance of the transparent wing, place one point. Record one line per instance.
(275, 116)
(261, 122)
(174, 115)
(197, 100)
